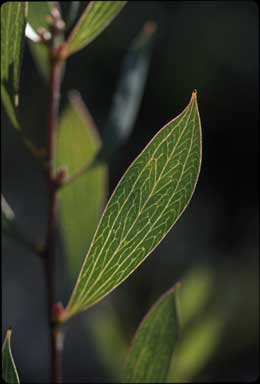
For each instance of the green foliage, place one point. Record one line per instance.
(129, 90)
(109, 339)
(9, 225)
(69, 11)
(9, 372)
(195, 293)
(13, 20)
(201, 325)
(152, 348)
(38, 12)
(148, 200)
(7, 215)
(96, 17)
(81, 202)
(196, 348)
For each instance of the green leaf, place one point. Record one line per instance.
(13, 20)
(38, 12)
(81, 202)
(96, 17)
(7, 215)
(37, 18)
(147, 202)
(10, 227)
(69, 12)
(152, 348)
(130, 90)
(109, 339)
(9, 372)
(195, 293)
(197, 346)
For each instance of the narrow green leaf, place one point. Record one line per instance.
(37, 18)
(7, 215)
(69, 12)
(130, 90)
(9, 372)
(13, 20)
(152, 348)
(81, 202)
(10, 227)
(147, 202)
(38, 12)
(9, 107)
(96, 17)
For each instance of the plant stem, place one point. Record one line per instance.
(54, 89)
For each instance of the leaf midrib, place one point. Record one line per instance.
(126, 259)
(156, 183)
(126, 200)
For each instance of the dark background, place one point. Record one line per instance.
(207, 45)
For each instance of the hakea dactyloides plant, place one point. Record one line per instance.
(147, 202)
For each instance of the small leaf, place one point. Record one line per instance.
(38, 12)
(81, 202)
(13, 20)
(7, 215)
(10, 227)
(69, 12)
(37, 18)
(96, 17)
(153, 345)
(147, 202)
(130, 90)
(9, 372)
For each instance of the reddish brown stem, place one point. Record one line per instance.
(54, 89)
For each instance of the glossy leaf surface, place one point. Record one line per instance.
(82, 201)
(146, 203)
(96, 17)
(13, 20)
(9, 372)
(154, 343)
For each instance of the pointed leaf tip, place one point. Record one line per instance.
(147, 202)
(152, 348)
(9, 371)
(96, 17)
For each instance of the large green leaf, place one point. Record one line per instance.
(152, 348)
(9, 372)
(130, 88)
(96, 17)
(81, 202)
(13, 20)
(148, 200)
